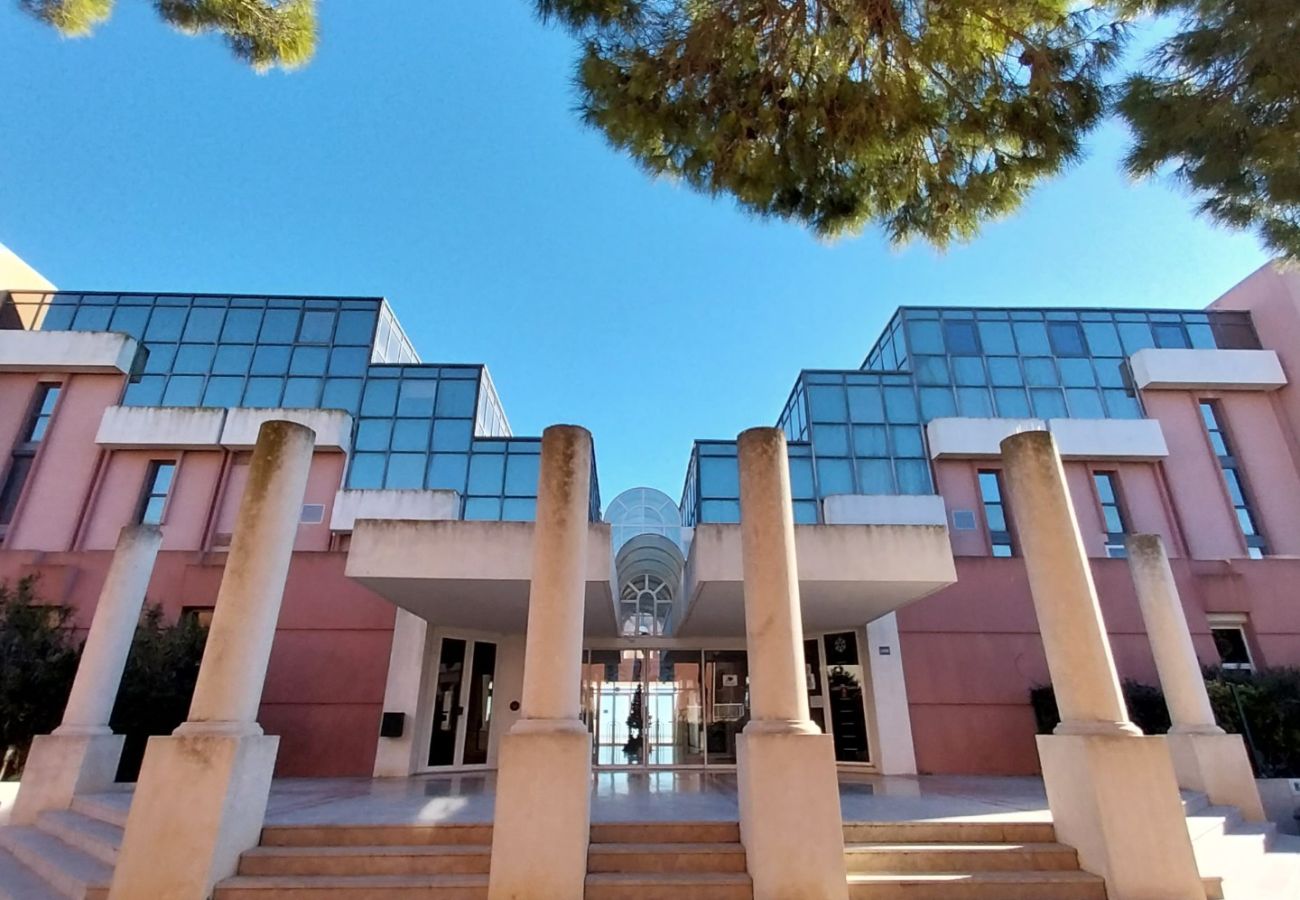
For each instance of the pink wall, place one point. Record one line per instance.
(65, 465)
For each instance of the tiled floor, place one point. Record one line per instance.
(631, 797)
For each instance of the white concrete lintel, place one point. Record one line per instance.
(333, 427)
(67, 351)
(393, 505)
(161, 427)
(1220, 370)
(1121, 439)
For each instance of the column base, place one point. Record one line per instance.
(542, 820)
(200, 802)
(1115, 800)
(1217, 766)
(790, 820)
(61, 766)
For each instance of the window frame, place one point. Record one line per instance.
(148, 491)
(1114, 540)
(22, 459)
(1256, 544)
(996, 537)
(1237, 623)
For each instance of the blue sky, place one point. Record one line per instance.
(430, 154)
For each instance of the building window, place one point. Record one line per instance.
(1229, 632)
(995, 514)
(153, 499)
(1112, 513)
(24, 453)
(199, 615)
(1256, 545)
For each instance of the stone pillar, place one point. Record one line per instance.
(202, 792)
(787, 785)
(542, 820)
(1205, 758)
(82, 754)
(1112, 791)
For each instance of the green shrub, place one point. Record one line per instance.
(1146, 707)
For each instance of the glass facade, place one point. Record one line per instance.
(415, 425)
(712, 491)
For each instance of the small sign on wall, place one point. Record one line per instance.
(731, 681)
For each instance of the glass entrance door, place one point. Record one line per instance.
(840, 698)
(664, 707)
(462, 702)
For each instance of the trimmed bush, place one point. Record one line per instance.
(1146, 707)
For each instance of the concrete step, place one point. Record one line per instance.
(949, 832)
(1213, 822)
(354, 887)
(975, 886)
(102, 807)
(665, 832)
(678, 858)
(888, 857)
(17, 882)
(374, 835)
(71, 872)
(95, 837)
(1193, 802)
(433, 859)
(669, 886)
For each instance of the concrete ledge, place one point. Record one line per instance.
(333, 427)
(67, 351)
(1222, 370)
(884, 509)
(393, 505)
(175, 428)
(1135, 439)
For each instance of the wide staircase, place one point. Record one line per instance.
(667, 861)
(69, 853)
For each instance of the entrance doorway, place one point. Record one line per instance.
(462, 701)
(660, 707)
(837, 693)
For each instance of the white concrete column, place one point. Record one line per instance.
(895, 749)
(201, 797)
(1065, 600)
(788, 787)
(82, 754)
(229, 687)
(542, 819)
(1112, 791)
(396, 757)
(1205, 758)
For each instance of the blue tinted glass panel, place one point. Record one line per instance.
(232, 360)
(831, 440)
(342, 393)
(59, 317)
(452, 434)
(924, 337)
(411, 434)
(367, 471)
(270, 360)
(193, 359)
(1135, 336)
(968, 370)
(482, 509)
(1121, 405)
(456, 398)
(415, 398)
(349, 361)
(1201, 335)
(158, 359)
(486, 472)
(223, 390)
(875, 476)
(183, 390)
(913, 476)
(317, 327)
(1048, 403)
(870, 440)
(127, 320)
(974, 402)
(719, 477)
(1005, 372)
(405, 471)
(996, 338)
(931, 369)
(356, 326)
(865, 404)
(1077, 372)
(309, 361)
(720, 511)
(241, 325)
(204, 325)
(447, 471)
(801, 478)
(302, 393)
(960, 337)
(1066, 339)
(826, 403)
(900, 405)
(1085, 403)
(1110, 372)
(374, 434)
(1170, 336)
(805, 512)
(263, 392)
(92, 318)
(1041, 372)
(1031, 338)
(907, 441)
(1103, 339)
(279, 327)
(515, 509)
(834, 476)
(165, 324)
(1011, 403)
(379, 398)
(521, 474)
(937, 403)
(145, 392)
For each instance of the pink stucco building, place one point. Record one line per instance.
(399, 649)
